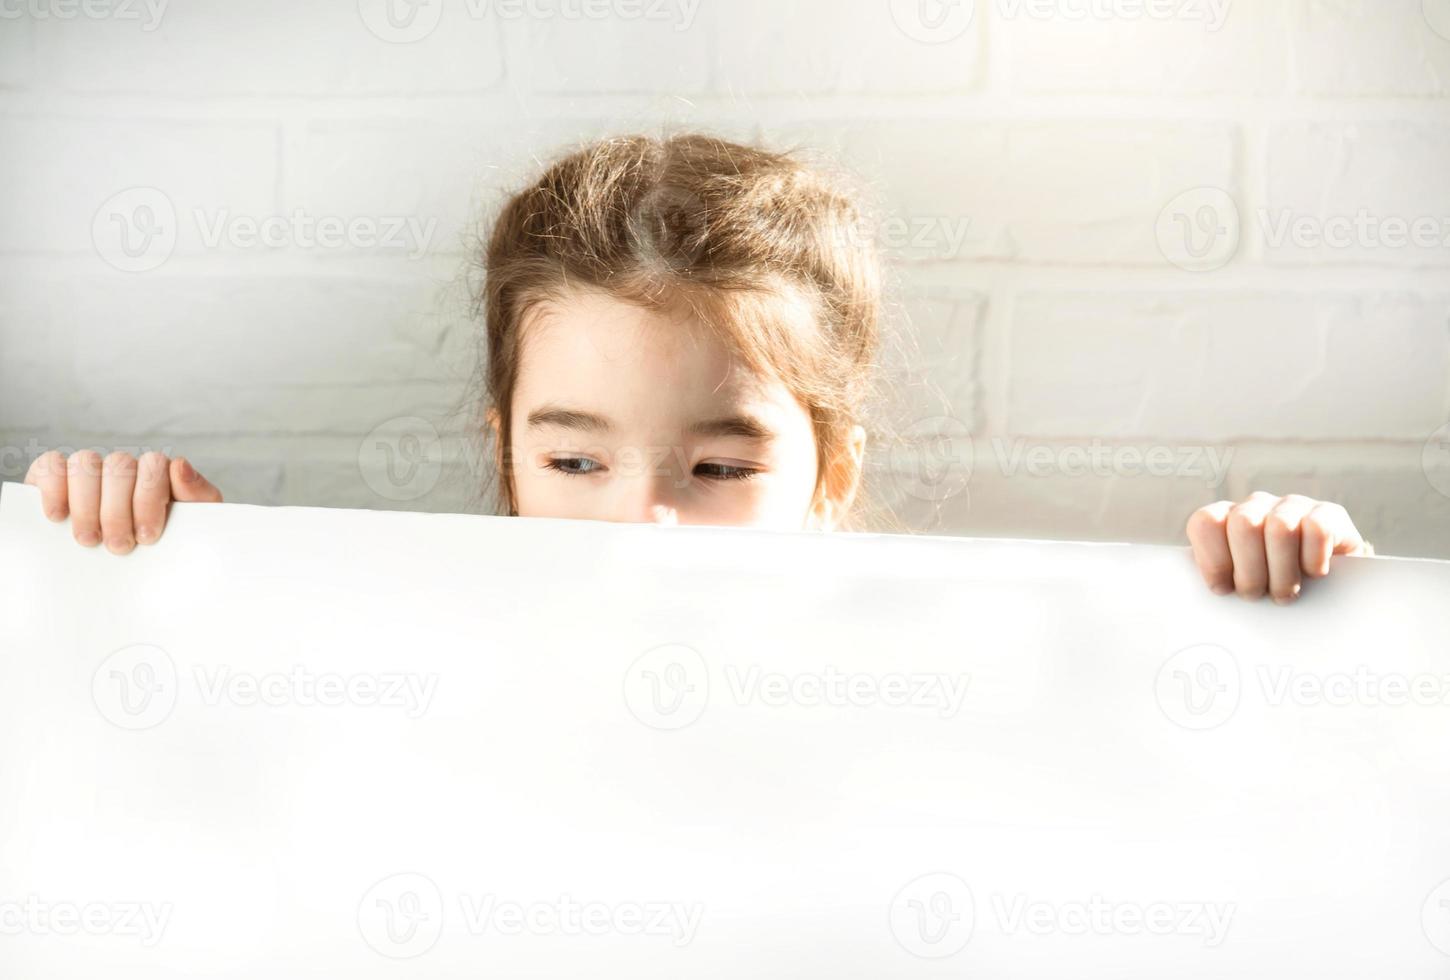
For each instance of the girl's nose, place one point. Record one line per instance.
(646, 501)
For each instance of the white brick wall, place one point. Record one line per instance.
(1204, 232)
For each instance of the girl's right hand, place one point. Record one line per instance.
(119, 500)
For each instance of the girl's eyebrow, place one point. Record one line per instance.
(568, 418)
(743, 426)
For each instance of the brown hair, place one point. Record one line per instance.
(766, 250)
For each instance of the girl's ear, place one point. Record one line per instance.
(842, 481)
(495, 422)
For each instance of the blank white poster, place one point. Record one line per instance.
(294, 742)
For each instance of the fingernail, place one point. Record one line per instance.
(187, 473)
(88, 538)
(55, 515)
(1222, 589)
(119, 545)
(145, 535)
(1287, 599)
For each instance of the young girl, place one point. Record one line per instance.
(683, 331)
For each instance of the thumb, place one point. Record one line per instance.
(187, 485)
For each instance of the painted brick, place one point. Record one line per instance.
(73, 167)
(274, 47)
(667, 54)
(1371, 47)
(768, 47)
(1326, 177)
(241, 354)
(17, 57)
(1227, 366)
(1065, 192)
(1194, 48)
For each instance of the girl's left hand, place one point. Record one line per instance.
(1268, 543)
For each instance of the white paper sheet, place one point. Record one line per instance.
(569, 749)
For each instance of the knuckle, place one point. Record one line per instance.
(1278, 527)
(87, 462)
(151, 471)
(119, 462)
(1244, 521)
(1219, 571)
(49, 463)
(1200, 522)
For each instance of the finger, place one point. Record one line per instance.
(1282, 546)
(1246, 544)
(1327, 531)
(1208, 535)
(48, 472)
(153, 494)
(189, 485)
(118, 489)
(83, 490)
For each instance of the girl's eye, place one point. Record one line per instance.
(721, 471)
(574, 465)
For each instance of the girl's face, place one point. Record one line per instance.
(622, 414)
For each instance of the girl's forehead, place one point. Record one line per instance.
(595, 352)
(595, 337)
